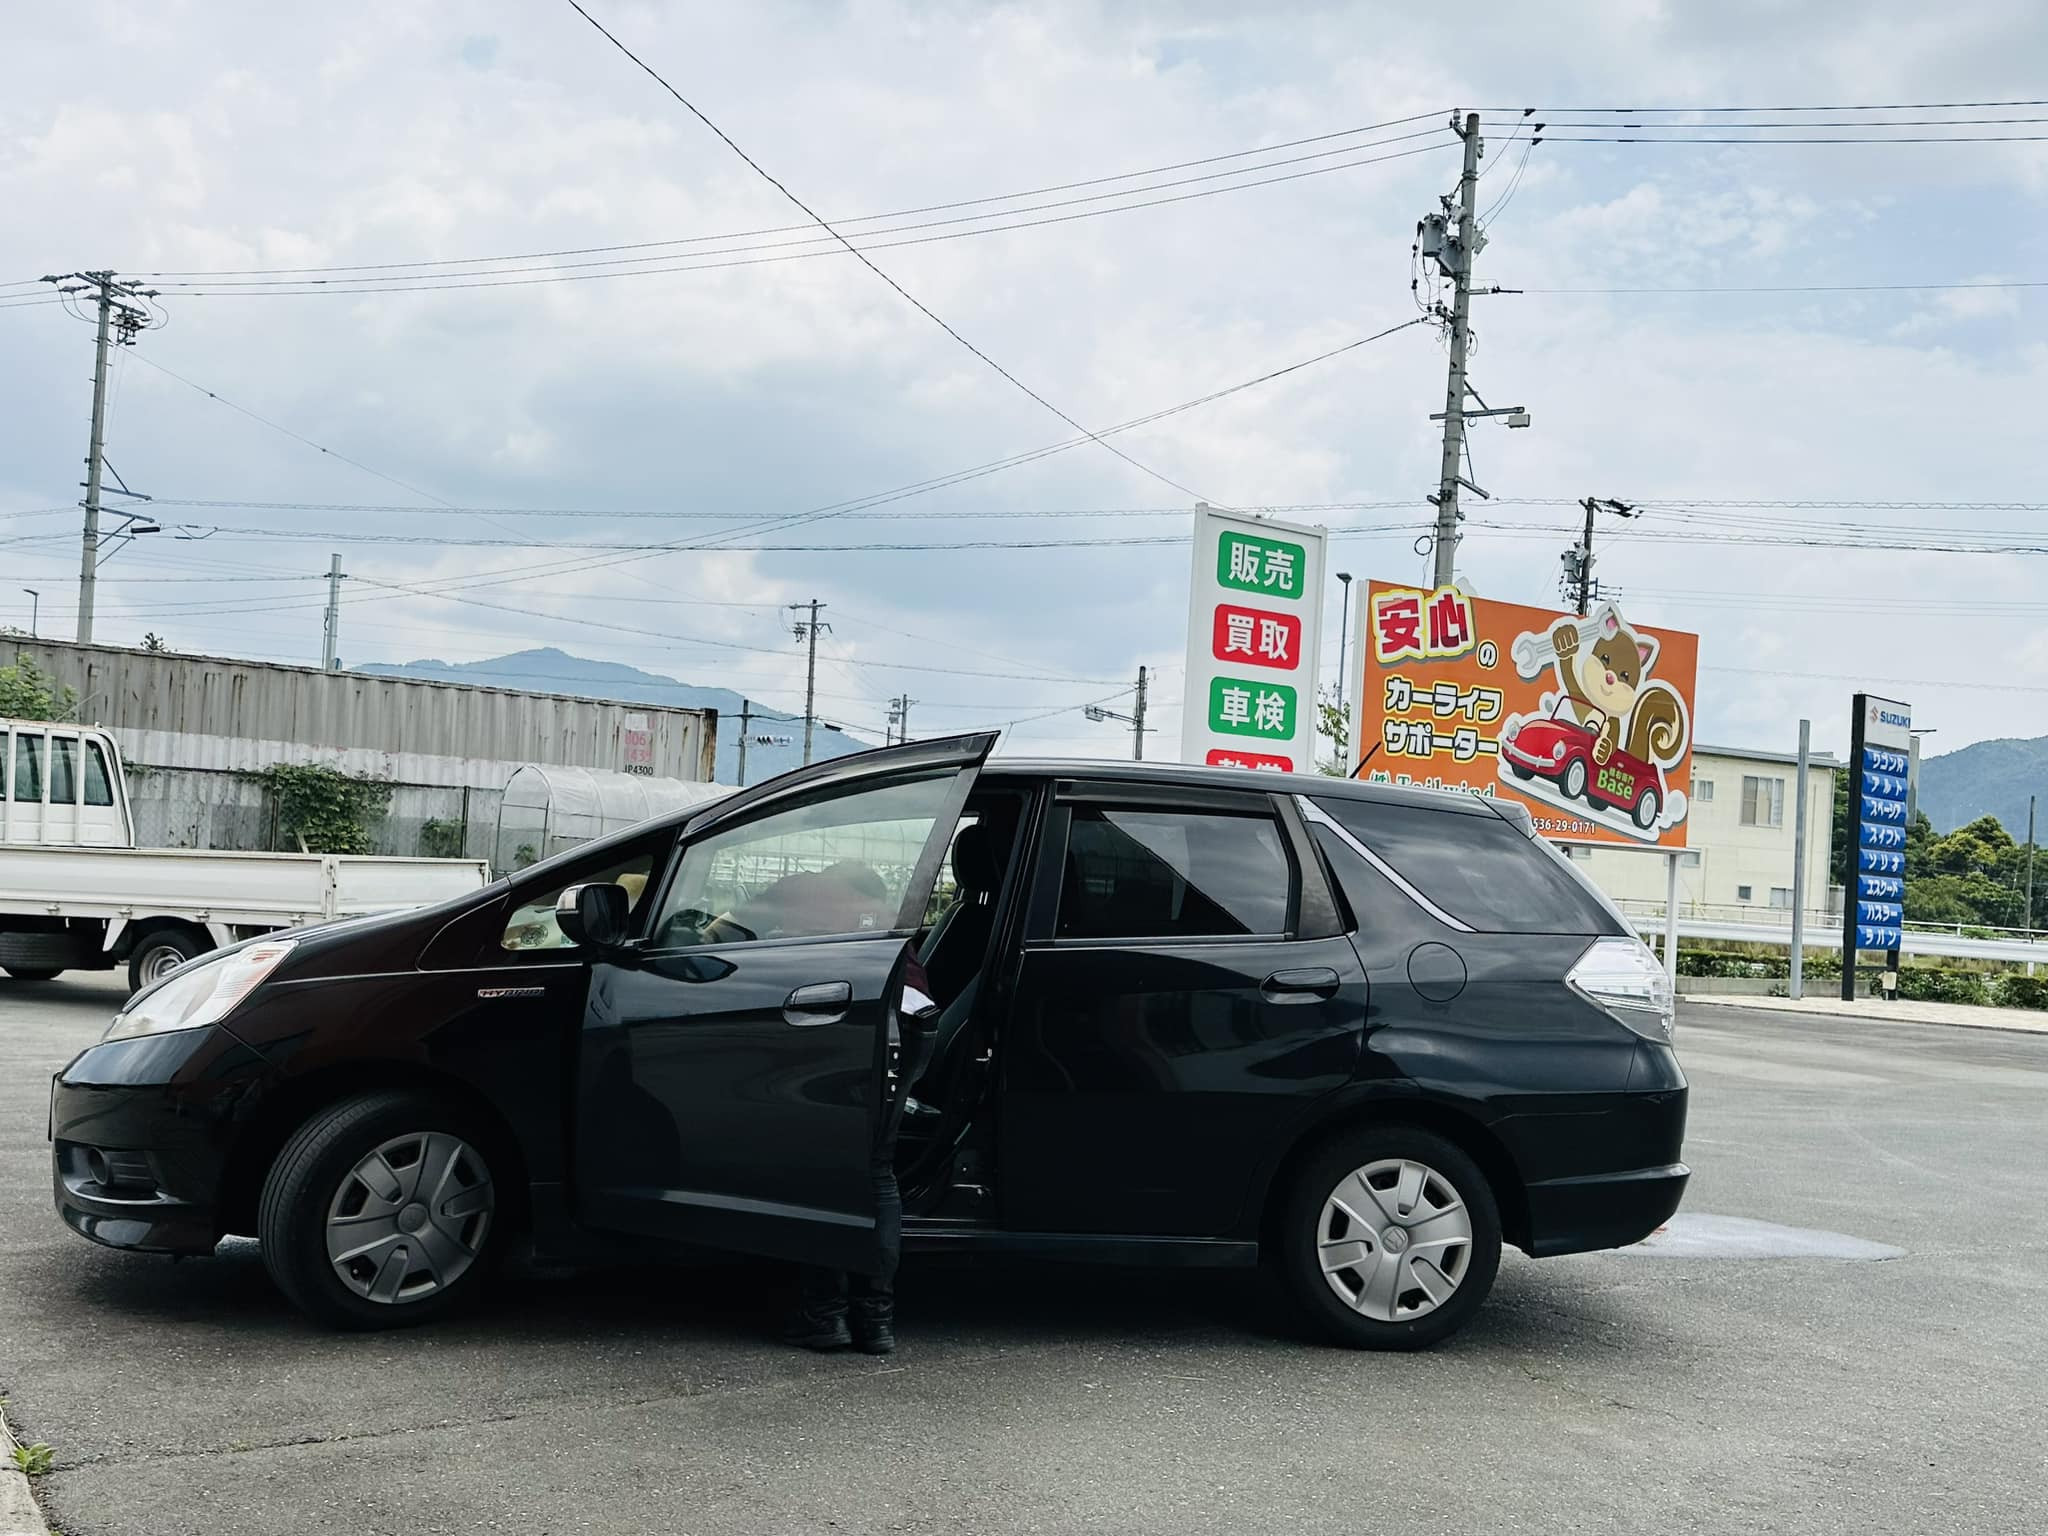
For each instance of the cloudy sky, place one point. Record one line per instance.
(708, 390)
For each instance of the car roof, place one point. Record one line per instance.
(1168, 775)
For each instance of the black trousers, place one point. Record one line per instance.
(826, 1292)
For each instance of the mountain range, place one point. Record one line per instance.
(776, 741)
(1986, 778)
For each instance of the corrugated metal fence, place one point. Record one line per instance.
(195, 808)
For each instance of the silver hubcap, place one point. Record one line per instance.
(410, 1218)
(160, 962)
(1394, 1240)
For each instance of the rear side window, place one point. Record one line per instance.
(28, 768)
(98, 789)
(1484, 871)
(1138, 874)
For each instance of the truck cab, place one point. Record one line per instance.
(63, 788)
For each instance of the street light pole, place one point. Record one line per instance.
(35, 607)
(1343, 636)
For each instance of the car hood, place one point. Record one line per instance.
(380, 941)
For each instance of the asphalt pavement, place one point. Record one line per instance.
(1770, 1369)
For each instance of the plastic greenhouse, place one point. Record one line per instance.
(548, 808)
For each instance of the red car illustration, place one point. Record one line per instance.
(1561, 749)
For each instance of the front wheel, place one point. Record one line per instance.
(1390, 1239)
(1575, 779)
(161, 953)
(381, 1212)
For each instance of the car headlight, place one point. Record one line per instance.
(1622, 978)
(205, 994)
(1557, 753)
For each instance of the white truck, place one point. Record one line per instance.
(77, 894)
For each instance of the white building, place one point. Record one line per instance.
(1738, 860)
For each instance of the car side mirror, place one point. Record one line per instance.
(593, 916)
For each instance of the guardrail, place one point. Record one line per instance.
(1826, 933)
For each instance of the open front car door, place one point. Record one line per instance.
(732, 1060)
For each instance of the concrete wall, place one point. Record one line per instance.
(210, 713)
(1725, 854)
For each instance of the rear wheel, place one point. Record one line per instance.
(1390, 1239)
(160, 953)
(1646, 810)
(381, 1212)
(34, 972)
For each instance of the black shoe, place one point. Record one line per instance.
(807, 1330)
(874, 1325)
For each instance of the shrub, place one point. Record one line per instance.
(440, 839)
(1925, 984)
(324, 809)
(2018, 990)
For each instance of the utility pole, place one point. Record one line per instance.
(1578, 584)
(1135, 719)
(2030, 867)
(1138, 721)
(1460, 272)
(899, 717)
(1796, 979)
(807, 629)
(746, 725)
(330, 648)
(119, 319)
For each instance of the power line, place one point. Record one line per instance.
(429, 284)
(780, 229)
(905, 293)
(1885, 106)
(481, 269)
(1814, 287)
(1982, 138)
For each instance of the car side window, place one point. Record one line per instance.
(838, 866)
(531, 927)
(1167, 874)
(99, 790)
(28, 769)
(1482, 869)
(63, 764)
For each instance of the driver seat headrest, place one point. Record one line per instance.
(975, 870)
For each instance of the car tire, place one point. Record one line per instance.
(352, 1178)
(30, 955)
(160, 952)
(1646, 810)
(1520, 772)
(1452, 1201)
(1574, 781)
(32, 972)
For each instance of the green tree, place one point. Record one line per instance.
(324, 810)
(1330, 722)
(154, 642)
(25, 694)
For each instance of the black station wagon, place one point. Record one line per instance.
(1175, 1016)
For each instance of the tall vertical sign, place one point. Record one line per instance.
(1255, 610)
(1881, 757)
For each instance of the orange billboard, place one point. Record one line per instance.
(1587, 721)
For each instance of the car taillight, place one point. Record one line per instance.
(1622, 978)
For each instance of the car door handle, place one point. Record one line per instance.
(822, 1002)
(1300, 986)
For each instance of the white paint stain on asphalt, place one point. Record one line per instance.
(1699, 1236)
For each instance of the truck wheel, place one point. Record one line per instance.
(36, 955)
(1390, 1239)
(381, 1212)
(161, 953)
(33, 972)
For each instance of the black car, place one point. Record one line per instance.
(1182, 1017)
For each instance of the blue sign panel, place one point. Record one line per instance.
(1880, 755)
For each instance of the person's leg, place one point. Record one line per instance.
(873, 1297)
(820, 1319)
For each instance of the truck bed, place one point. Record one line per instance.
(259, 890)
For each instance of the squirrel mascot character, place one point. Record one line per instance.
(1607, 683)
